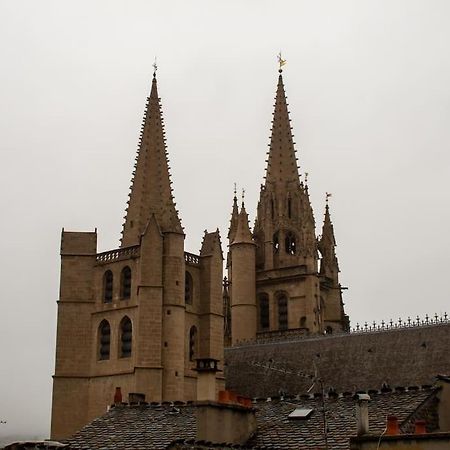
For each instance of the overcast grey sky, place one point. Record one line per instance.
(368, 88)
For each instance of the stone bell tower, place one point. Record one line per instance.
(290, 293)
(140, 315)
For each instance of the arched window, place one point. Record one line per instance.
(289, 207)
(125, 283)
(282, 313)
(104, 340)
(276, 243)
(272, 209)
(289, 243)
(126, 337)
(188, 288)
(108, 286)
(264, 320)
(192, 343)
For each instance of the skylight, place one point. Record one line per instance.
(300, 413)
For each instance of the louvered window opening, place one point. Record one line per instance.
(105, 340)
(188, 289)
(282, 313)
(192, 343)
(125, 283)
(108, 287)
(264, 320)
(126, 338)
(290, 245)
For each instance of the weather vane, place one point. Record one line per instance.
(243, 195)
(327, 196)
(281, 62)
(306, 177)
(155, 67)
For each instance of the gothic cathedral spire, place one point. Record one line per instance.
(282, 163)
(151, 191)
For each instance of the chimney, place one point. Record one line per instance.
(135, 398)
(392, 427)
(362, 414)
(420, 427)
(118, 396)
(206, 378)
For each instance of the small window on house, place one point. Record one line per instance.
(125, 283)
(264, 320)
(108, 286)
(188, 289)
(282, 313)
(104, 332)
(126, 337)
(276, 243)
(192, 343)
(289, 242)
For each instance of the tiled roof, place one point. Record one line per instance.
(347, 362)
(155, 427)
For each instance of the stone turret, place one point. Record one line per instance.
(243, 295)
(334, 316)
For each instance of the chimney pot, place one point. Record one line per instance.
(420, 427)
(118, 396)
(392, 427)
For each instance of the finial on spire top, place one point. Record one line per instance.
(155, 68)
(327, 196)
(306, 177)
(281, 62)
(235, 189)
(243, 197)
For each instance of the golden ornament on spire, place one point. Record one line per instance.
(281, 61)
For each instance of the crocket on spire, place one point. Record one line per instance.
(282, 162)
(151, 191)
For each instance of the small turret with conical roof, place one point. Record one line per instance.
(243, 282)
(329, 263)
(151, 191)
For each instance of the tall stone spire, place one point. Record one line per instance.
(243, 233)
(234, 219)
(282, 163)
(151, 191)
(329, 265)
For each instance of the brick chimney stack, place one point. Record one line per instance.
(206, 379)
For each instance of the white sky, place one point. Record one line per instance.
(368, 88)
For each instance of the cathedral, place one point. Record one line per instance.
(141, 315)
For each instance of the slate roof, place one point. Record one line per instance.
(156, 426)
(346, 362)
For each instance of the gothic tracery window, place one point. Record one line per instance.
(104, 331)
(125, 283)
(108, 286)
(276, 243)
(126, 337)
(290, 243)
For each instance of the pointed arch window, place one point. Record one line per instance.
(108, 286)
(193, 343)
(282, 312)
(264, 318)
(290, 243)
(104, 340)
(126, 337)
(125, 283)
(188, 289)
(289, 207)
